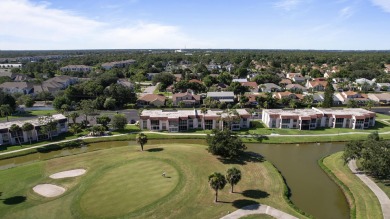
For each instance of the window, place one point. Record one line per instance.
(62, 125)
(208, 124)
(5, 137)
(145, 124)
(339, 120)
(285, 121)
(155, 124)
(182, 125)
(244, 119)
(190, 123)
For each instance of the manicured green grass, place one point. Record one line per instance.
(32, 113)
(257, 216)
(147, 186)
(363, 199)
(124, 182)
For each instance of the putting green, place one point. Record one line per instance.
(129, 187)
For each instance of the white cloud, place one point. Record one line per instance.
(384, 4)
(287, 5)
(27, 25)
(346, 12)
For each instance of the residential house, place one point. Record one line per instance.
(387, 68)
(7, 137)
(270, 87)
(346, 96)
(296, 77)
(151, 100)
(284, 82)
(125, 82)
(240, 80)
(252, 98)
(383, 87)
(150, 76)
(76, 68)
(328, 74)
(178, 77)
(183, 120)
(319, 98)
(287, 94)
(227, 97)
(382, 98)
(251, 85)
(117, 64)
(195, 81)
(317, 84)
(296, 88)
(362, 81)
(17, 87)
(307, 119)
(187, 98)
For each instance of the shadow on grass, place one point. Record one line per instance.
(240, 203)
(14, 200)
(155, 150)
(243, 159)
(257, 194)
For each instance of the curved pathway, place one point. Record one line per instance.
(258, 209)
(382, 197)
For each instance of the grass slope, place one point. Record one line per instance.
(123, 182)
(363, 200)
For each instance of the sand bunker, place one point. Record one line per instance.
(67, 174)
(48, 190)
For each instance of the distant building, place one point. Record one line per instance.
(17, 87)
(152, 100)
(187, 98)
(118, 64)
(306, 119)
(76, 68)
(227, 97)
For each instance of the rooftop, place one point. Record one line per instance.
(35, 122)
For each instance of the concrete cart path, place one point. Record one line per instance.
(259, 209)
(382, 197)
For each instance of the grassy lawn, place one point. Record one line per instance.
(124, 182)
(361, 199)
(32, 113)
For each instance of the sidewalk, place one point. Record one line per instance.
(382, 197)
(258, 209)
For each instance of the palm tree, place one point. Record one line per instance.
(203, 110)
(141, 139)
(233, 176)
(28, 127)
(6, 110)
(15, 129)
(74, 116)
(75, 128)
(217, 182)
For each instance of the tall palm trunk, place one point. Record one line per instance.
(216, 195)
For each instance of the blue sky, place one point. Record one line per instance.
(212, 24)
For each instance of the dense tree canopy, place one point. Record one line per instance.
(373, 153)
(225, 144)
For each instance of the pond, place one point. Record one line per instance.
(312, 190)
